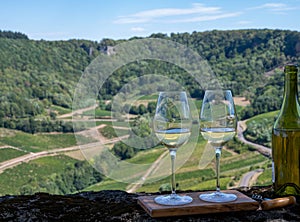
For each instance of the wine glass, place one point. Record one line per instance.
(218, 124)
(172, 126)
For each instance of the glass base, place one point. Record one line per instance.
(173, 199)
(218, 197)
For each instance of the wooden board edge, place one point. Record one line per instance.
(192, 210)
(141, 203)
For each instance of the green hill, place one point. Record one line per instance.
(36, 75)
(37, 80)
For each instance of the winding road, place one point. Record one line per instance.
(266, 151)
(31, 156)
(247, 177)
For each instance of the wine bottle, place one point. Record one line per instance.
(286, 139)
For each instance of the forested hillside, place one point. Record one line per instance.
(35, 75)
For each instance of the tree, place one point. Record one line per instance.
(142, 109)
(123, 151)
(151, 107)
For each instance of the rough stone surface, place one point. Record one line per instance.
(118, 206)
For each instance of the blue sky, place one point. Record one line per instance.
(118, 19)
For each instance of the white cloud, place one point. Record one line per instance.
(199, 11)
(197, 8)
(276, 7)
(206, 18)
(137, 29)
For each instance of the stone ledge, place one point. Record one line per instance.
(115, 206)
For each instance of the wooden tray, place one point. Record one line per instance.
(243, 203)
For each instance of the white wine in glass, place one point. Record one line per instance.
(218, 124)
(172, 126)
(218, 135)
(173, 137)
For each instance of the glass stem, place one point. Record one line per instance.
(173, 183)
(218, 155)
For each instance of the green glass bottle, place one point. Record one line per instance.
(286, 139)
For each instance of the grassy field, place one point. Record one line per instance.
(190, 177)
(149, 97)
(98, 113)
(60, 110)
(33, 172)
(259, 128)
(109, 132)
(265, 178)
(107, 184)
(260, 117)
(98, 123)
(39, 142)
(9, 153)
(235, 161)
(147, 156)
(241, 161)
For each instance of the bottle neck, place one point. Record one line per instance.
(290, 99)
(289, 115)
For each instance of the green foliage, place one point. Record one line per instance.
(58, 110)
(140, 110)
(39, 142)
(243, 162)
(12, 35)
(151, 107)
(30, 125)
(107, 184)
(259, 128)
(260, 132)
(98, 113)
(37, 81)
(147, 156)
(165, 187)
(141, 126)
(265, 179)
(243, 60)
(240, 57)
(109, 132)
(123, 150)
(268, 97)
(237, 146)
(9, 153)
(56, 174)
(37, 74)
(34, 75)
(140, 134)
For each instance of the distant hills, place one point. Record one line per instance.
(35, 75)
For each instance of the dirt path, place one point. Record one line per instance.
(77, 112)
(91, 133)
(133, 187)
(11, 147)
(32, 156)
(241, 101)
